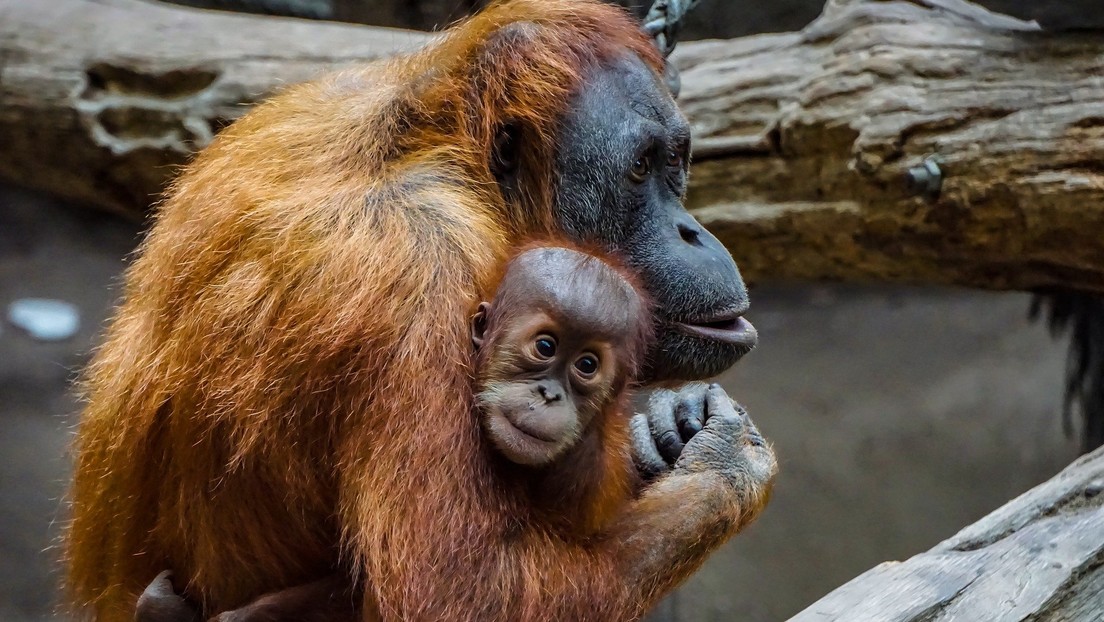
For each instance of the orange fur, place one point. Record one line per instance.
(286, 392)
(284, 389)
(577, 497)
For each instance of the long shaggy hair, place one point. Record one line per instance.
(286, 387)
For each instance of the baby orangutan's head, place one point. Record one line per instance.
(558, 346)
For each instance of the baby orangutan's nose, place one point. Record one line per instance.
(551, 392)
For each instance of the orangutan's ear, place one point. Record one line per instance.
(479, 324)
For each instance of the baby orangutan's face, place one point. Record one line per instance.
(556, 348)
(542, 384)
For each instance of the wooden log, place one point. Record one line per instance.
(803, 141)
(102, 100)
(1038, 558)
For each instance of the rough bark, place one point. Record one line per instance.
(102, 100)
(802, 140)
(1040, 558)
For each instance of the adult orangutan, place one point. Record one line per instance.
(284, 393)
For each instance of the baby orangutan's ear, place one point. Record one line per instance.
(479, 324)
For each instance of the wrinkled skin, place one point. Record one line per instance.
(626, 111)
(698, 428)
(699, 294)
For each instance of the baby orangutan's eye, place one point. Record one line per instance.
(546, 346)
(587, 365)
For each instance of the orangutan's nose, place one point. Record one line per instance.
(550, 391)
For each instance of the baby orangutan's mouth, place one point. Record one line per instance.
(518, 444)
(525, 429)
(540, 434)
(726, 327)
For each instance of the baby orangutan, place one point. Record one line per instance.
(555, 351)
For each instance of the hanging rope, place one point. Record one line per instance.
(663, 22)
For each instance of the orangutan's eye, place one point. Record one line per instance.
(587, 365)
(674, 159)
(546, 346)
(640, 169)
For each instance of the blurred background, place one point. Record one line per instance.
(899, 414)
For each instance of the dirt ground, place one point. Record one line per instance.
(899, 415)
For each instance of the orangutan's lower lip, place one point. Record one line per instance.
(735, 331)
(534, 434)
